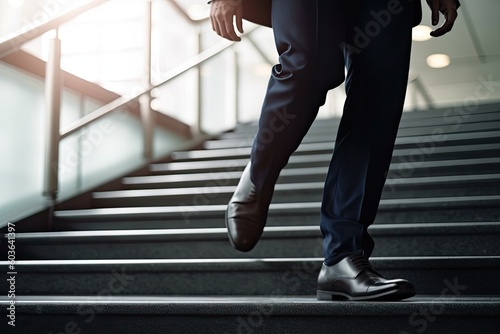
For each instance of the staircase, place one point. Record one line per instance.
(150, 254)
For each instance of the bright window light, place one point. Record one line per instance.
(16, 3)
(438, 60)
(197, 12)
(262, 70)
(421, 33)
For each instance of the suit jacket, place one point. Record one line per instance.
(259, 11)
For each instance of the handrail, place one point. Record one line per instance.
(53, 86)
(11, 44)
(122, 101)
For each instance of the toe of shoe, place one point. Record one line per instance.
(241, 243)
(397, 287)
(241, 236)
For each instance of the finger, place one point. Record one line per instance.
(435, 12)
(212, 19)
(215, 20)
(451, 16)
(220, 31)
(231, 34)
(239, 19)
(218, 26)
(213, 23)
(220, 18)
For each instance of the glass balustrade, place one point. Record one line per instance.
(107, 46)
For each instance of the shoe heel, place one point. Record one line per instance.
(323, 295)
(329, 295)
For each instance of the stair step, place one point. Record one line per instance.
(328, 134)
(424, 143)
(459, 185)
(242, 276)
(449, 313)
(419, 119)
(287, 175)
(455, 110)
(437, 117)
(405, 167)
(445, 239)
(406, 205)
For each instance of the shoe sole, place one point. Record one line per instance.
(391, 295)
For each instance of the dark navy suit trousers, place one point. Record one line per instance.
(321, 44)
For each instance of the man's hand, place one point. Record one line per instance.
(449, 10)
(221, 15)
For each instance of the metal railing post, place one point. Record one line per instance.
(417, 82)
(147, 113)
(236, 91)
(197, 128)
(53, 91)
(414, 97)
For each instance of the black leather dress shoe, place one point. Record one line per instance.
(353, 278)
(246, 214)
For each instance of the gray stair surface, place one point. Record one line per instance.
(148, 253)
(276, 314)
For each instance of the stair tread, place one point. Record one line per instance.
(428, 180)
(216, 177)
(277, 208)
(319, 135)
(232, 164)
(269, 232)
(250, 264)
(308, 147)
(408, 120)
(280, 305)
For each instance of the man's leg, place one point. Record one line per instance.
(307, 34)
(377, 52)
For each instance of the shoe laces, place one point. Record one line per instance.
(361, 262)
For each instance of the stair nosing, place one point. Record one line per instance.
(277, 208)
(240, 163)
(269, 232)
(280, 187)
(281, 305)
(382, 263)
(307, 147)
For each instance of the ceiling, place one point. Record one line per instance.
(474, 48)
(473, 45)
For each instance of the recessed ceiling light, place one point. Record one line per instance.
(421, 33)
(438, 60)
